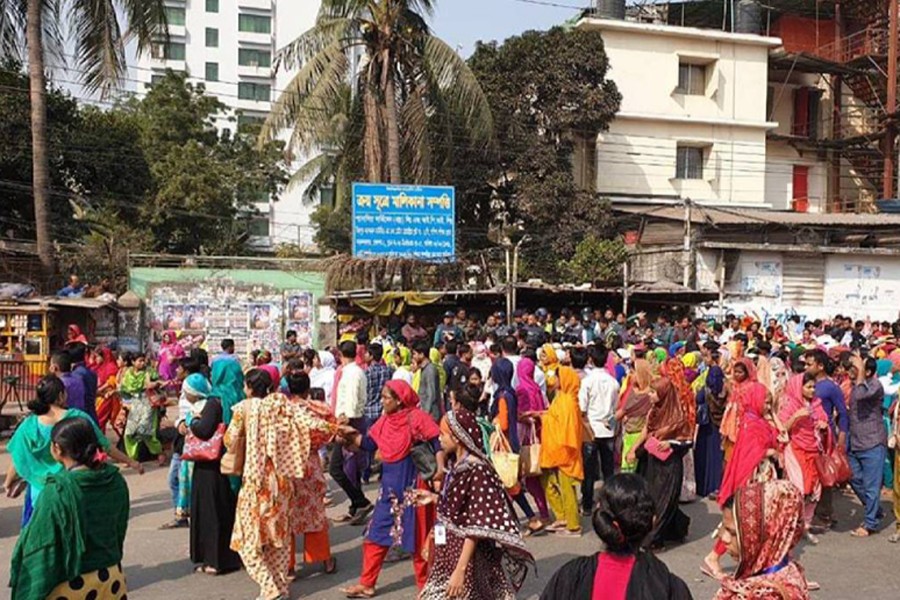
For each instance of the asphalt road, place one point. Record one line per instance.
(156, 562)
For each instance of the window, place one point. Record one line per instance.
(167, 51)
(212, 71)
(254, 24)
(691, 79)
(258, 227)
(155, 79)
(212, 37)
(326, 196)
(212, 6)
(261, 92)
(806, 112)
(689, 162)
(251, 57)
(175, 15)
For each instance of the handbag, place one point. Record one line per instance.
(198, 450)
(530, 454)
(832, 464)
(505, 461)
(233, 459)
(423, 457)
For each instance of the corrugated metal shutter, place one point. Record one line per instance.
(803, 279)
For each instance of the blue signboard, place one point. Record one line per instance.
(404, 220)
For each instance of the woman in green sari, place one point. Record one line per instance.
(228, 386)
(73, 546)
(32, 461)
(138, 380)
(633, 410)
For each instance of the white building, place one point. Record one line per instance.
(692, 122)
(229, 46)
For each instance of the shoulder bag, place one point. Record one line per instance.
(422, 455)
(530, 453)
(505, 461)
(198, 450)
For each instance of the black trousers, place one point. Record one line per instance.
(352, 487)
(598, 461)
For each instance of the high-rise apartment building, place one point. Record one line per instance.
(230, 47)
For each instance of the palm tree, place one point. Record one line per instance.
(100, 59)
(406, 79)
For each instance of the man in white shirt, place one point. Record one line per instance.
(346, 467)
(597, 399)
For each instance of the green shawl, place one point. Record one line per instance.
(30, 450)
(227, 385)
(134, 382)
(78, 527)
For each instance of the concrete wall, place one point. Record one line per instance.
(637, 155)
(781, 158)
(254, 307)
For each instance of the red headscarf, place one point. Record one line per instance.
(108, 368)
(74, 335)
(395, 433)
(769, 519)
(755, 436)
(675, 372)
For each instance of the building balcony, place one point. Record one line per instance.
(264, 39)
(161, 64)
(257, 4)
(252, 106)
(177, 31)
(257, 72)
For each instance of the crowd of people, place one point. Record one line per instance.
(481, 434)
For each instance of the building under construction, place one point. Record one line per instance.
(834, 68)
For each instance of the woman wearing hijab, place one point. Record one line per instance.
(708, 464)
(756, 445)
(170, 352)
(745, 390)
(480, 359)
(806, 422)
(676, 372)
(504, 413)
(531, 406)
(264, 363)
(323, 376)
(212, 499)
(561, 456)
(402, 362)
(108, 404)
(632, 415)
(663, 442)
(549, 360)
(761, 525)
(479, 553)
(395, 522)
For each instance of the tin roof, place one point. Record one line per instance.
(718, 216)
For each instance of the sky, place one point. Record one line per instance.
(462, 23)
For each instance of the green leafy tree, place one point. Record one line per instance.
(596, 260)
(99, 39)
(548, 92)
(407, 80)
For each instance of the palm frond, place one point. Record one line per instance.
(98, 40)
(308, 44)
(12, 28)
(307, 98)
(460, 87)
(146, 19)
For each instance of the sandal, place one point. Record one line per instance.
(861, 532)
(556, 526)
(895, 537)
(535, 528)
(206, 570)
(332, 569)
(716, 574)
(175, 524)
(358, 591)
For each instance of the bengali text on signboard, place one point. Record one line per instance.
(404, 220)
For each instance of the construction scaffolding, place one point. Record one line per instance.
(849, 115)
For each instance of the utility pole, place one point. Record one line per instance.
(687, 243)
(890, 132)
(515, 272)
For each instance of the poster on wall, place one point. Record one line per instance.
(173, 316)
(259, 317)
(299, 317)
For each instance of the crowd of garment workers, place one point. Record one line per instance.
(481, 434)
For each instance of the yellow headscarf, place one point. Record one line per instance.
(562, 430)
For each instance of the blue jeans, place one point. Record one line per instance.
(174, 469)
(867, 468)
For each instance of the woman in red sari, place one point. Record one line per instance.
(106, 367)
(761, 525)
(756, 442)
(805, 420)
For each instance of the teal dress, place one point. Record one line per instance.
(227, 379)
(30, 452)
